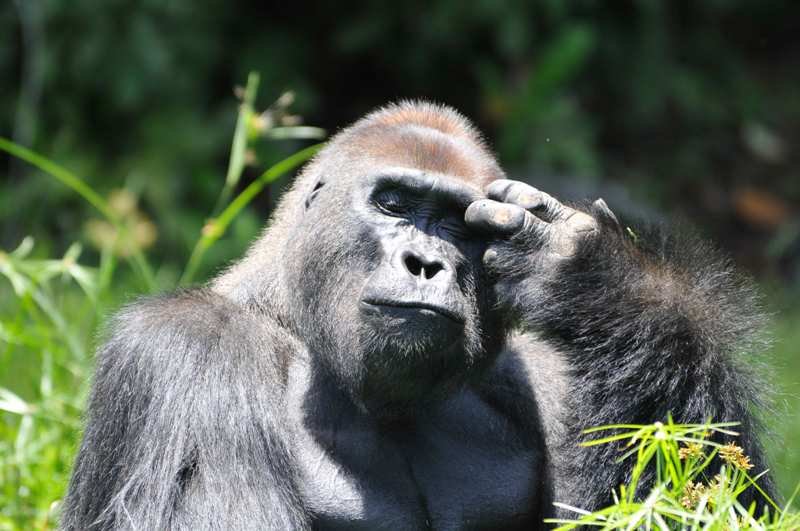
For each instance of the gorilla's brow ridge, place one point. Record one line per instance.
(450, 189)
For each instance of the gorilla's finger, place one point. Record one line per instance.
(494, 217)
(498, 190)
(601, 205)
(516, 192)
(541, 204)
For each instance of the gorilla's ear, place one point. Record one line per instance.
(314, 192)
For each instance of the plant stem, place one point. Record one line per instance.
(216, 227)
(239, 144)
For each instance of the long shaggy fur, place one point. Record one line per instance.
(650, 323)
(184, 428)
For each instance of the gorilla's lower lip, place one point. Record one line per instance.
(413, 305)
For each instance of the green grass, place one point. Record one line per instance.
(51, 309)
(698, 483)
(46, 328)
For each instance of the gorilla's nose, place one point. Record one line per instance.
(425, 267)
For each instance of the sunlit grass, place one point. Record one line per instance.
(699, 483)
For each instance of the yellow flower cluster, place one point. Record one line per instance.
(692, 494)
(733, 454)
(694, 450)
(138, 231)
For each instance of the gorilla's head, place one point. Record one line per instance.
(383, 281)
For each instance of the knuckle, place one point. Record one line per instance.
(581, 222)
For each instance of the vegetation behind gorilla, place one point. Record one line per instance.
(415, 342)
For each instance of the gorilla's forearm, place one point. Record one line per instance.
(649, 324)
(185, 428)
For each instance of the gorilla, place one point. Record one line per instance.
(415, 342)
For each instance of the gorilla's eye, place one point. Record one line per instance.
(391, 202)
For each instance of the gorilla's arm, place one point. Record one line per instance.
(184, 423)
(647, 324)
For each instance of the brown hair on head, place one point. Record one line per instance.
(424, 136)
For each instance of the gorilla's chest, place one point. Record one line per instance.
(462, 467)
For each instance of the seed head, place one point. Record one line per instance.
(694, 450)
(734, 455)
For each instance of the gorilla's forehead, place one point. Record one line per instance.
(428, 150)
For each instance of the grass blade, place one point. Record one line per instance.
(69, 179)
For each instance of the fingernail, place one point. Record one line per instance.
(502, 216)
(528, 201)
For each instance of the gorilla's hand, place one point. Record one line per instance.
(532, 233)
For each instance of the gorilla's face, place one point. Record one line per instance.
(421, 300)
(395, 301)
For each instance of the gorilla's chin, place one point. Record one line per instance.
(412, 355)
(421, 328)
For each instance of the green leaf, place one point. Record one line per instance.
(14, 404)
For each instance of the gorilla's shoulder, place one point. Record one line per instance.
(195, 326)
(193, 311)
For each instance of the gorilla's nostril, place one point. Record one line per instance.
(432, 269)
(422, 268)
(413, 265)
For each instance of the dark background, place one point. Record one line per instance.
(692, 106)
(668, 109)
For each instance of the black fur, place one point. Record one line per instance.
(301, 391)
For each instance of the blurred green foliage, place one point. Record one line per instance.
(693, 107)
(784, 426)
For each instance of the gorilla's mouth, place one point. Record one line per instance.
(418, 305)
